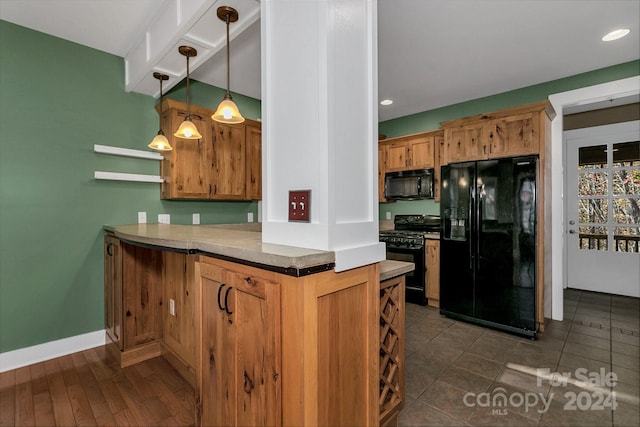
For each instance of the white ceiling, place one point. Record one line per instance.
(432, 53)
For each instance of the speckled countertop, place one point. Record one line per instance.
(242, 242)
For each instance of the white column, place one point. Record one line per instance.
(319, 117)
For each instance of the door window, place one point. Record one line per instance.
(609, 197)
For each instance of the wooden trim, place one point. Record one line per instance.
(184, 369)
(527, 108)
(387, 141)
(140, 353)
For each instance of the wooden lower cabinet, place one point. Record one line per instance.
(139, 283)
(142, 294)
(239, 381)
(283, 350)
(392, 343)
(433, 272)
(113, 291)
(260, 347)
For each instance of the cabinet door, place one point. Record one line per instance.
(514, 136)
(113, 290)
(465, 143)
(189, 164)
(397, 159)
(142, 299)
(228, 160)
(382, 161)
(421, 152)
(433, 272)
(218, 383)
(253, 180)
(256, 314)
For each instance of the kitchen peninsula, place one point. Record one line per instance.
(267, 334)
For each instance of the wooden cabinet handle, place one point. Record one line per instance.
(219, 292)
(226, 301)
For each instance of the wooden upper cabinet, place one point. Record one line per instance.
(187, 168)
(506, 133)
(421, 152)
(253, 164)
(410, 152)
(224, 164)
(464, 143)
(228, 157)
(514, 136)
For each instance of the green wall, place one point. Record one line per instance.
(58, 99)
(430, 120)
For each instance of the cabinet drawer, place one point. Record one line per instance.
(251, 284)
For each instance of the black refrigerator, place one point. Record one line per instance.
(488, 243)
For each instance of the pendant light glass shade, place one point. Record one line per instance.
(160, 142)
(187, 129)
(227, 111)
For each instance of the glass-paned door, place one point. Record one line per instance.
(603, 208)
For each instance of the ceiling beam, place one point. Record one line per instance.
(182, 22)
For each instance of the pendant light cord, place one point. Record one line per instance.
(160, 120)
(228, 63)
(188, 97)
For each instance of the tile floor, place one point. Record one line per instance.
(461, 374)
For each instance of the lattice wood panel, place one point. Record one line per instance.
(391, 346)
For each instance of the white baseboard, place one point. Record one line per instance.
(38, 353)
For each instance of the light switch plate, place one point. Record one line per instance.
(249, 216)
(300, 206)
(195, 219)
(164, 219)
(142, 217)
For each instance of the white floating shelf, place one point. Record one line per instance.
(136, 177)
(127, 152)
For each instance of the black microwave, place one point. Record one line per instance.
(409, 185)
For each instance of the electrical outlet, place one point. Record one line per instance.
(142, 217)
(164, 219)
(388, 215)
(172, 307)
(195, 219)
(249, 216)
(300, 205)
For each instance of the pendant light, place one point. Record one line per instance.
(227, 111)
(160, 142)
(187, 129)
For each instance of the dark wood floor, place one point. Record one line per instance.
(89, 388)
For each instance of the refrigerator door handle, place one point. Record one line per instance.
(478, 227)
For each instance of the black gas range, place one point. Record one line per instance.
(406, 242)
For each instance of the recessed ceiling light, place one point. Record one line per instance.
(386, 102)
(615, 35)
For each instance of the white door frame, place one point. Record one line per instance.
(611, 271)
(553, 304)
